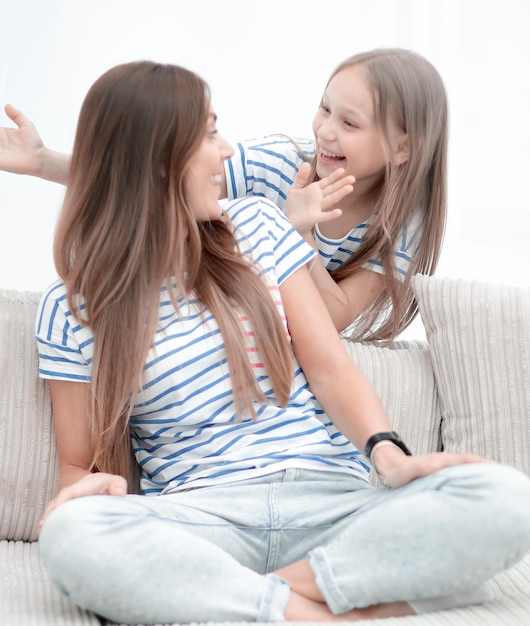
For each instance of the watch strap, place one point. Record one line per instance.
(390, 436)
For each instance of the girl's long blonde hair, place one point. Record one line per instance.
(126, 229)
(409, 90)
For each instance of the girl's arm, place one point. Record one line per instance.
(347, 299)
(22, 151)
(345, 394)
(308, 205)
(72, 432)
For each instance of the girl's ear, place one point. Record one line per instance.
(402, 153)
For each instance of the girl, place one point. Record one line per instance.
(185, 334)
(382, 121)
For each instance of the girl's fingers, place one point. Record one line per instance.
(336, 196)
(337, 177)
(302, 177)
(333, 186)
(328, 216)
(17, 116)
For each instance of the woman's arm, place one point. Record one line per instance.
(23, 152)
(345, 394)
(72, 432)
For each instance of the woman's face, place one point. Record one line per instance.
(346, 130)
(206, 172)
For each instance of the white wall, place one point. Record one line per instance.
(267, 63)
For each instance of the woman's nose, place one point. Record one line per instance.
(227, 151)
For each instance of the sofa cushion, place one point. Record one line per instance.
(402, 374)
(479, 334)
(28, 467)
(27, 597)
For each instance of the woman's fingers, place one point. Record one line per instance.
(92, 484)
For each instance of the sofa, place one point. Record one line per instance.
(465, 386)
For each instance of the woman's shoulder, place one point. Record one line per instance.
(54, 306)
(252, 208)
(54, 293)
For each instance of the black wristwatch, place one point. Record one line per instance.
(391, 436)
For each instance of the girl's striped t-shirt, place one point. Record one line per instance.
(267, 167)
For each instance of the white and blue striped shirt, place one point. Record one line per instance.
(267, 167)
(183, 426)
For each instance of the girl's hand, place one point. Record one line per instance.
(91, 485)
(312, 204)
(20, 148)
(398, 469)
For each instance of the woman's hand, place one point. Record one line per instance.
(91, 485)
(312, 204)
(398, 469)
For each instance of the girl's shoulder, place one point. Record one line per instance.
(278, 147)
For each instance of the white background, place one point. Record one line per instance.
(267, 63)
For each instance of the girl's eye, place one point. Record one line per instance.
(213, 133)
(350, 124)
(324, 108)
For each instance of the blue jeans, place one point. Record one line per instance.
(207, 554)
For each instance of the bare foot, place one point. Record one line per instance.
(301, 609)
(307, 604)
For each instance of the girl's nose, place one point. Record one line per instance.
(326, 130)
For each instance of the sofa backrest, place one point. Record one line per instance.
(28, 455)
(479, 338)
(28, 458)
(466, 390)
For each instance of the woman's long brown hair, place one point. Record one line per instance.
(126, 229)
(409, 90)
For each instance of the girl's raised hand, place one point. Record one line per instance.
(310, 204)
(20, 147)
(91, 485)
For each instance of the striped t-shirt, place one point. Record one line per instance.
(267, 167)
(183, 426)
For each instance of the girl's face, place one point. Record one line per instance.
(205, 174)
(347, 134)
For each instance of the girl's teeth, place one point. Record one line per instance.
(330, 155)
